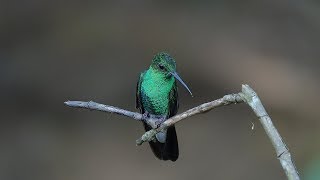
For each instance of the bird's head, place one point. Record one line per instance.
(164, 64)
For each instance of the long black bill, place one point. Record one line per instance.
(175, 74)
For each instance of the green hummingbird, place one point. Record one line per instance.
(157, 97)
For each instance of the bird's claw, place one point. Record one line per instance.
(155, 121)
(158, 123)
(145, 116)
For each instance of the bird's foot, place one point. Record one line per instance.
(148, 118)
(145, 116)
(160, 121)
(154, 121)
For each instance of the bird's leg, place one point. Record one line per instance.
(146, 116)
(160, 120)
(150, 119)
(153, 120)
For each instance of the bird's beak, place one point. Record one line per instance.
(175, 74)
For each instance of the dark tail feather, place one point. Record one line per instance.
(168, 150)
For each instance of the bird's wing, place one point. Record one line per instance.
(173, 101)
(138, 94)
(170, 149)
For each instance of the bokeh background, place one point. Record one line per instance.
(53, 51)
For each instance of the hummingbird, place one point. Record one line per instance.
(157, 97)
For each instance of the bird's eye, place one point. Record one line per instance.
(161, 66)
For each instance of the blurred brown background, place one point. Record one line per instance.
(53, 51)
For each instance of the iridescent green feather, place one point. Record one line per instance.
(157, 95)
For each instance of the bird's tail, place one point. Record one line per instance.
(168, 150)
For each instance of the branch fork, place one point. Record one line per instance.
(247, 95)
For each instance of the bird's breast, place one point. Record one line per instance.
(155, 96)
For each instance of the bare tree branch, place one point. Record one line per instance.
(283, 154)
(247, 95)
(226, 100)
(105, 108)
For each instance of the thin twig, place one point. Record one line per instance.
(247, 95)
(226, 100)
(105, 108)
